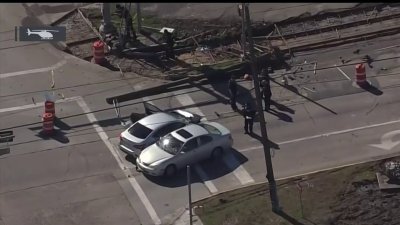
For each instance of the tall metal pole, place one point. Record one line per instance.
(243, 30)
(139, 17)
(108, 26)
(265, 141)
(190, 193)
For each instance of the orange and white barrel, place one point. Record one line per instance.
(98, 52)
(49, 107)
(361, 76)
(48, 123)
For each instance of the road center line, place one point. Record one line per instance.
(39, 70)
(325, 134)
(109, 145)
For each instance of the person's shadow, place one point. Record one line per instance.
(281, 107)
(281, 115)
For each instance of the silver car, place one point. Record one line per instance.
(150, 129)
(188, 145)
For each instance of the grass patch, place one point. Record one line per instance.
(251, 205)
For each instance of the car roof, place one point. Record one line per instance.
(157, 120)
(194, 129)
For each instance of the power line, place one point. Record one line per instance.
(343, 65)
(112, 108)
(139, 102)
(123, 79)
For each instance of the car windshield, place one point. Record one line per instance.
(140, 131)
(177, 115)
(211, 129)
(170, 144)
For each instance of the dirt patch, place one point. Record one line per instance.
(343, 196)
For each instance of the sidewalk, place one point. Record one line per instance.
(183, 219)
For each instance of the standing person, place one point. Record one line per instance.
(232, 92)
(266, 93)
(248, 114)
(169, 51)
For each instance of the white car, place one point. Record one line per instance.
(151, 128)
(188, 145)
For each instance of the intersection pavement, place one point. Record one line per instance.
(79, 176)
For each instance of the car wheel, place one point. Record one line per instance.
(216, 153)
(170, 170)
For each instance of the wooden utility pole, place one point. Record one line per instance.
(108, 26)
(139, 17)
(242, 14)
(264, 136)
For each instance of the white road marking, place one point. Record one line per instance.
(131, 179)
(41, 104)
(185, 99)
(147, 99)
(386, 140)
(341, 71)
(238, 170)
(393, 46)
(39, 70)
(325, 134)
(206, 180)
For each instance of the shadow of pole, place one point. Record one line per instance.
(281, 116)
(288, 218)
(294, 90)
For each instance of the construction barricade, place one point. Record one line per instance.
(361, 76)
(48, 123)
(98, 52)
(49, 107)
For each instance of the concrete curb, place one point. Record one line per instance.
(302, 175)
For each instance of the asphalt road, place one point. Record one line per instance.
(74, 177)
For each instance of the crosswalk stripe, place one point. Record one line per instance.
(206, 180)
(238, 170)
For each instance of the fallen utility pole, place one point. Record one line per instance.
(264, 136)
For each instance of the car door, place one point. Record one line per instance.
(188, 153)
(205, 146)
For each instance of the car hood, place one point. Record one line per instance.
(153, 153)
